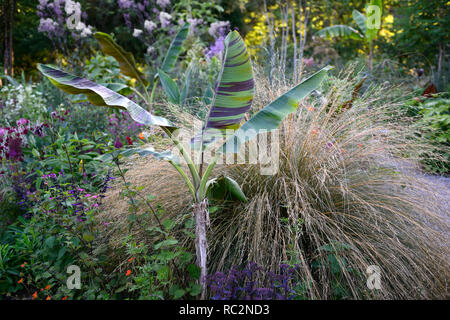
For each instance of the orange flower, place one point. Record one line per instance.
(34, 295)
(20, 281)
(47, 287)
(141, 135)
(65, 298)
(310, 108)
(48, 298)
(128, 272)
(131, 259)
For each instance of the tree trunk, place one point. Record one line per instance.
(439, 66)
(8, 26)
(370, 57)
(201, 213)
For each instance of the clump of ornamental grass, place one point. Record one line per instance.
(347, 195)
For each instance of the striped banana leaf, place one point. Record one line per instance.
(339, 31)
(175, 49)
(235, 90)
(99, 95)
(125, 59)
(270, 117)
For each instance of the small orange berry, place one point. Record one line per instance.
(34, 295)
(128, 272)
(20, 281)
(131, 259)
(47, 287)
(141, 135)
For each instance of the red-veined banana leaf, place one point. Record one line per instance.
(99, 95)
(339, 31)
(234, 92)
(270, 117)
(125, 59)
(175, 49)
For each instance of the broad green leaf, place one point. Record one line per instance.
(166, 243)
(224, 188)
(170, 87)
(187, 83)
(125, 59)
(99, 95)
(360, 20)
(339, 31)
(235, 90)
(270, 117)
(175, 49)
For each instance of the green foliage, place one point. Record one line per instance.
(433, 119)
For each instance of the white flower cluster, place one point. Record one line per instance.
(20, 100)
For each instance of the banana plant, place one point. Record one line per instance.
(128, 66)
(368, 26)
(232, 99)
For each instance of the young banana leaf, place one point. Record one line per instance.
(170, 87)
(360, 20)
(99, 95)
(125, 59)
(175, 49)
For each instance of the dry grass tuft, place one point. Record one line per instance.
(343, 182)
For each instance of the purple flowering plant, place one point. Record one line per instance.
(242, 284)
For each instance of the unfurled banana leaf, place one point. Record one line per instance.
(270, 117)
(360, 20)
(339, 31)
(120, 88)
(170, 87)
(125, 59)
(175, 49)
(235, 90)
(99, 95)
(225, 188)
